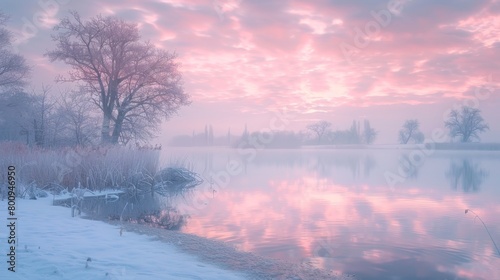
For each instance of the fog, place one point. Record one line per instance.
(344, 210)
(355, 138)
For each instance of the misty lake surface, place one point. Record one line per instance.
(369, 212)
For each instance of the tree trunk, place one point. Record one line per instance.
(105, 138)
(38, 129)
(108, 107)
(410, 134)
(117, 130)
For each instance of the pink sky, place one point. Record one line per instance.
(242, 61)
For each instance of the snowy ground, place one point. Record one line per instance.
(53, 245)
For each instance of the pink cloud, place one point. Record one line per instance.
(260, 55)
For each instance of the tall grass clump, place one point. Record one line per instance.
(94, 168)
(112, 167)
(31, 166)
(145, 187)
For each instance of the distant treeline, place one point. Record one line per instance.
(464, 126)
(280, 138)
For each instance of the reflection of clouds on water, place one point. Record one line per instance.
(408, 269)
(466, 175)
(332, 209)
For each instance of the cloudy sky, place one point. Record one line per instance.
(244, 61)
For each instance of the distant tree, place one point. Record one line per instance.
(78, 118)
(206, 135)
(132, 82)
(210, 136)
(320, 129)
(354, 134)
(246, 134)
(418, 137)
(410, 131)
(465, 124)
(13, 67)
(43, 107)
(27, 115)
(16, 108)
(369, 134)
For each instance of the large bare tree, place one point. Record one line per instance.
(13, 67)
(131, 81)
(466, 124)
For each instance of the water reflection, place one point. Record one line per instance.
(407, 269)
(302, 206)
(408, 166)
(150, 210)
(370, 234)
(466, 175)
(326, 163)
(359, 164)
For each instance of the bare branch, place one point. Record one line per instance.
(13, 68)
(123, 75)
(466, 124)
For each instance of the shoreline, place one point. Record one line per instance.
(227, 257)
(53, 245)
(213, 251)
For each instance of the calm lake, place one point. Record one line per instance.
(377, 214)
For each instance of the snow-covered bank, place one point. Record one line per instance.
(52, 245)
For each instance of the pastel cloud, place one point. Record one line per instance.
(275, 54)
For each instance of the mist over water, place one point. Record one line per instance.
(336, 209)
(307, 122)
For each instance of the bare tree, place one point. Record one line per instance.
(369, 134)
(43, 109)
(13, 67)
(139, 129)
(319, 128)
(465, 124)
(77, 117)
(410, 131)
(26, 116)
(126, 78)
(354, 135)
(15, 115)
